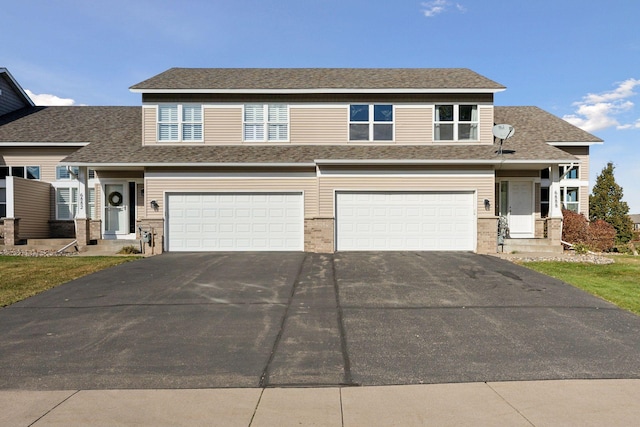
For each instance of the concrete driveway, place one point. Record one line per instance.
(293, 319)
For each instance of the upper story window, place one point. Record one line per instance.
(266, 122)
(64, 173)
(28, 172)
(568, 172)
(371, 122)
(177, 122)
(453, 122)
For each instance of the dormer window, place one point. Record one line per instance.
(453, 122)
(177, 122)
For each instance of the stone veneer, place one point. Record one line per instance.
(554, 231)
(11, 231)
(83, 234)
(487, 235)
(319, 235)
(156, 226)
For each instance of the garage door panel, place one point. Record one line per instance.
(405, 221)
(233, 222)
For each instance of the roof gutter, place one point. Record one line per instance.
(43, 144)
(319, 91)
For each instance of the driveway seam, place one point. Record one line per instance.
(508, 403)
(264, 378)
(348, 379)
(57, 405)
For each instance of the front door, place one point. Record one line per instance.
(520, 214)
(116, 218)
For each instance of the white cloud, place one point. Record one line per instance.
(46, 99)
(436, 7)
(601, 111)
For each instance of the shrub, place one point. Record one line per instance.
(602, 236)
(129, 250)
(597, 235)
(575, 228)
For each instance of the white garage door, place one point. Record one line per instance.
(405, 221)
(235, 222)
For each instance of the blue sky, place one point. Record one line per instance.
(578, 60)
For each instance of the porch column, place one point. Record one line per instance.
(83, 235)
(555, 204)
(554, 222)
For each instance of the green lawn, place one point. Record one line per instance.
(618, 283)
(22, 277)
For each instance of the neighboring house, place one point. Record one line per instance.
(318, 160)
(636, 221)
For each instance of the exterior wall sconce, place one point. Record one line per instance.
(154, 205)
(487, 204)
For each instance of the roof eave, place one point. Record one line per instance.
(14, 83)
(320, 91)
(43, 144)
(574, 143)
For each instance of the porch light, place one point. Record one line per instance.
(487, 204)
(155, 205)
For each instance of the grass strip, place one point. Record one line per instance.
(22, 277)
(618, 283)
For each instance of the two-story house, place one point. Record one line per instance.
(324, 160)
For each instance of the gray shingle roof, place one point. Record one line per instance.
(316, 78)
(107, 125)
(114, 134)
(534, 123)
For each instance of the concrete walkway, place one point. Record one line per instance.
(529, 403)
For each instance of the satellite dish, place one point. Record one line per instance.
(503, 131)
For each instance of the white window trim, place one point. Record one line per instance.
(456, 123)
(73, 183)
(265, 122)
(371, 122)
(25, 171)
(563, 197)
(180, 122)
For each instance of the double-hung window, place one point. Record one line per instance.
(568, 172)
(569, 196)
(266, 122)
(371, 122)
(66, 202)
(456, 122)
(28, 172)
(178, 122)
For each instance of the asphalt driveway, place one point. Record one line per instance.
(293, 319)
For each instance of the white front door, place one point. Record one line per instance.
(116, 218)
(520, 214)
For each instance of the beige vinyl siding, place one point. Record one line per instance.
(319, 125)
(223, 125)
(486, 123)
(45, 157)
(32, 206)
(413, 125)
(149, 125)
(582, 153)
(155, 188)
(483, 185)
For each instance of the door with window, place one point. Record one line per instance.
(116, 216)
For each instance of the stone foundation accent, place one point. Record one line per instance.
(554, 231)
(156, 227)
(11, 231)
(319, 235)
(95, 229)
(540, 226)
(62, 229)
(487, 240)
(83, 235)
